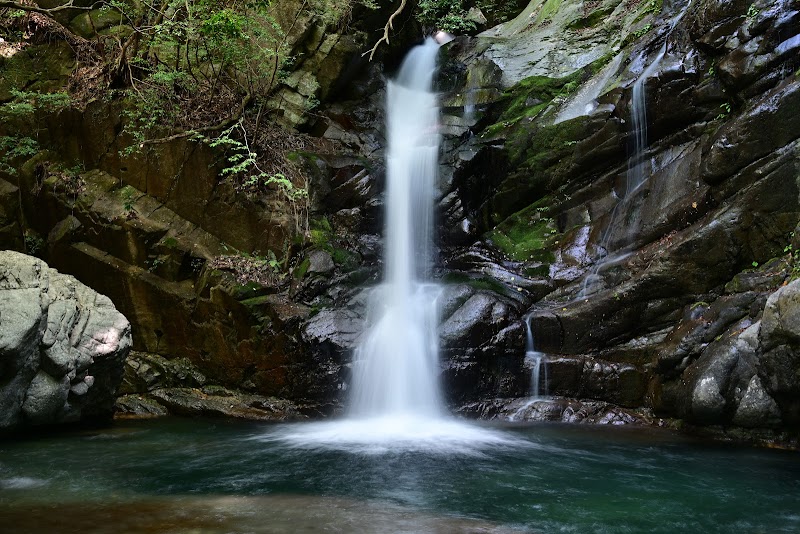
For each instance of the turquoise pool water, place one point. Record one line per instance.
(223, 476)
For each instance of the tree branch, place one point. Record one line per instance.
(7, 4)
(205, 129)
(389, 26)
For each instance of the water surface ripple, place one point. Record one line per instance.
(222, 476)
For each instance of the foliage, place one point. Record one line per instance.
(64, 179)
(447, 15)
(153, 263)
(189, 63)
(26, 103)
(252, 268)
(794, 258)
(244, 166)
(33, 244)
(23, 108)
(643, 30)
(14, 147)
(726, 110)
(654, 6)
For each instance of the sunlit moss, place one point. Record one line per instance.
(527, 234)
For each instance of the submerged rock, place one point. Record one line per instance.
(62, 347)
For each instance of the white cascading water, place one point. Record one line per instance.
(538, 366)
(636, 175)
(395, 402)
(536, 361)
(638, 171)
(396, 367)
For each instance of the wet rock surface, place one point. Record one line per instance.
(154, 386)
(674, 296)
(666, 296)
(558, 409)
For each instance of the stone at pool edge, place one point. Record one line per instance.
(62, 347)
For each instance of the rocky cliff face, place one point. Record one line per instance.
(649, 295)
(62, 347)
(646, 296)
(655, 269)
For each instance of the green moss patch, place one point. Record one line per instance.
(324, 238)
(549, 8)
(530, 96)
(527, 235)
(593, 18)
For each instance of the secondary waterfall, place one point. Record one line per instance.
(636, 175)
(639, 167)
(396, 366)
(536, 361)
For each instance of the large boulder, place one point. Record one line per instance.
(780, 340)
(62, 347)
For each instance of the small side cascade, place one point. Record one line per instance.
(636, 175)
(537, 362)
(639, 166)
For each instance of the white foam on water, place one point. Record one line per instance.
(396, 433)
(22, 483)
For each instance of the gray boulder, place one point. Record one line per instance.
(781, 322)
(62, 346)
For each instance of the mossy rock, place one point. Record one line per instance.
(485, 283)
(90, 23)
(593, 18)
(530, 96)
(499, 11)
(526, 236)
(549, 8)
(345, 259)
(39, 68)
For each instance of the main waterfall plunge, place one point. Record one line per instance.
(395, 401)
(395, 366)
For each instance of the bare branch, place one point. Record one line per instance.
(7, 4)
(389, 26)
(205, 129)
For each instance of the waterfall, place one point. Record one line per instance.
(636, 175)
(637, 172)
(396, 366)
(395, 402)
(536, 361)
